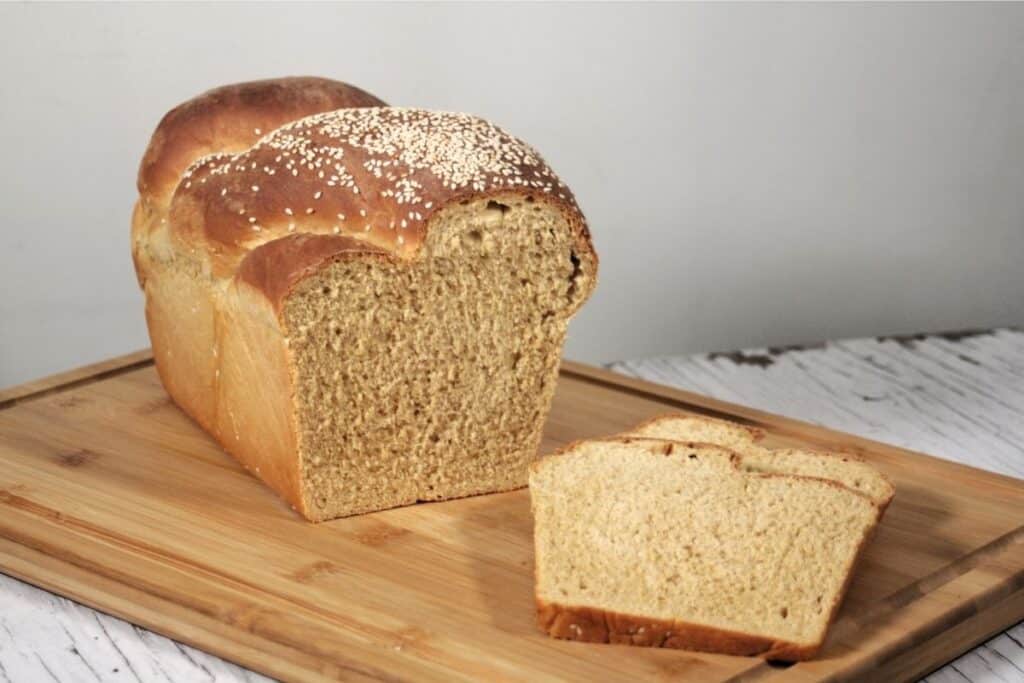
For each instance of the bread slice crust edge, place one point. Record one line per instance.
(594, 625)
(757, 435)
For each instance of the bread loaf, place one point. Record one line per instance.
(840, 467)
(366, 305)
(670, 544)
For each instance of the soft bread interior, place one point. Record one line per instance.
(430, 378)
(628, 528)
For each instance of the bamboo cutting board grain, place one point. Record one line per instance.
(111, 496)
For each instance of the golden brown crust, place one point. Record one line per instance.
(276, 267)
(590, 625)
(378, 174)
(254, 409)
(756, 433)
(231, 118)
(243, 165)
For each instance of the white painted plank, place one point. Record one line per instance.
(44, 637)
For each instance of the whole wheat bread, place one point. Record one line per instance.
(364, 305)
(671, 544)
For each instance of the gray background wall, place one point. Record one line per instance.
(754, 174)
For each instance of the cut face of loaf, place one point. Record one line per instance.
(431, 379)
(666, 544)
(845, 469)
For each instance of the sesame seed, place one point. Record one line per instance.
(252, 219)
(337, 229)
(404, 150)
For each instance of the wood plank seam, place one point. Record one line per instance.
(23, 393)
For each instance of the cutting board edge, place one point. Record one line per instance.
(684, 400)
(60, 577)
(994, 579)
(69, 379)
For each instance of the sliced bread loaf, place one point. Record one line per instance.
(365, 305)
(843, 468)
(649, 542)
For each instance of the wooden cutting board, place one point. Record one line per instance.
(111, 496)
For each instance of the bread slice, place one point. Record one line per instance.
(667, 544)
(845, 469)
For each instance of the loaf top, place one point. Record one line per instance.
(230, 119)
(374, 174)
(369, 176)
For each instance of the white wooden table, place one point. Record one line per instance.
(956, 396)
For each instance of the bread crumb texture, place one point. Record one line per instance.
(431, 379)
(674, 538)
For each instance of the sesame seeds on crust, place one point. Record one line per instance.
(231, 118)
(378, 172)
